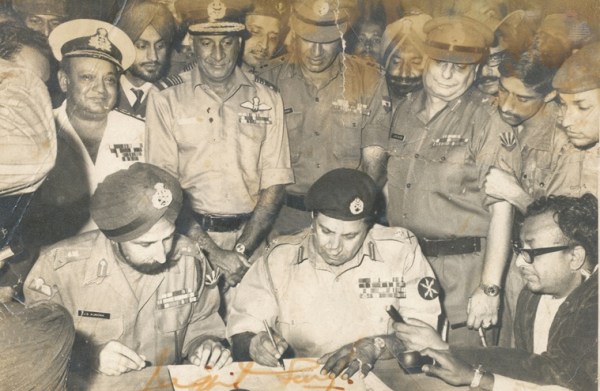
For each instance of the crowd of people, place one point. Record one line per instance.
(201, 181)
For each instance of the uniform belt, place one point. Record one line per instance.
(295, 201)
(438, 247)
(221, 223)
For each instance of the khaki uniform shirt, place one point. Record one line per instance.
(318, 308)
(437, 167)
(582, 170)
(159, 320)
(551, 165)
(224, 151)
(329, 127)
(27, 131)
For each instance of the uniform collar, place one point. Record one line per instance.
(239, 78)
(367, 252)
(536, 132)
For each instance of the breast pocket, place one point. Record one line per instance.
(191, 131)
(347, 136)
(172, 319)
(100, 331)
(294, 123)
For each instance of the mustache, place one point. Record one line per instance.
(404, 79)
(486, 79)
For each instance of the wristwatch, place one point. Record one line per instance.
(490, 289)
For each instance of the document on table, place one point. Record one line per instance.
(301, 374)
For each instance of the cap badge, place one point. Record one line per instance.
(280, 7)
(357, 206)
(321, 8)
(162, 197)
(216, 10)
(100, 40)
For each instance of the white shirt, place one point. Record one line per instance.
(546, 311)
(127, 86)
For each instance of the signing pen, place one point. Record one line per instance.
(482, 337)
(273, 342)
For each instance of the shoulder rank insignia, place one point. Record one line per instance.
(262, 81)
(39, 285)
(429, 288)
(169, 81)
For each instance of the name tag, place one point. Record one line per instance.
(93, 314)
(396, 136)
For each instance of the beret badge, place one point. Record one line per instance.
(162, 197)
(357, 206)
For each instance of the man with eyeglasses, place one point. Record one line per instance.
(556, 327)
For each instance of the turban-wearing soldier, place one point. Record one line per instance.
(137, 291)
(323, 290)
(36, 343)
(403, 56)
(93, 139)
(220, 130)
(443, 141)
(151, 28)
(42, 15)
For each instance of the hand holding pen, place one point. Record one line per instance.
(267, 348)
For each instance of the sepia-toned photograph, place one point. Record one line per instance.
(299, 195)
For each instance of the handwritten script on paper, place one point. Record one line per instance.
(301, 374)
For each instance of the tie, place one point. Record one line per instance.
(138, 98)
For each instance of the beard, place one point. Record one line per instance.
(138, 71)
(400, 86)
(151, 268)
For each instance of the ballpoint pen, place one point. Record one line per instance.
(273, 342)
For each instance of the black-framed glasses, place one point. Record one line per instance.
(529, 254)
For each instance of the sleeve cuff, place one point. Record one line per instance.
(276, 176)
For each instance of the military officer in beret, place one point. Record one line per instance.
(42, 15)
(578, 85)
(442, 143)
(221, 132)
(138, 293)
(337, 107)
(93, 139)
(151, 27)
(324, 290)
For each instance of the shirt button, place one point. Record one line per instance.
(443, 158)
(404, 216)
(408, 185)
(416, 155)
(317, 99)
(317, 134)
(318, 165)
(542, 184)
(337, 279)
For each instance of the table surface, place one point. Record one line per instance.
(158, 379)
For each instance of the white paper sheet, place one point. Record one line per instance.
(301, 374)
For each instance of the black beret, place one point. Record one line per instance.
(343, 194)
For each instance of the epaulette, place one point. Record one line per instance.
(64, 255)
(391, 233)
(127, 113)
(169, 81)
(273, 64)
(286, 240)
(262, 81)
